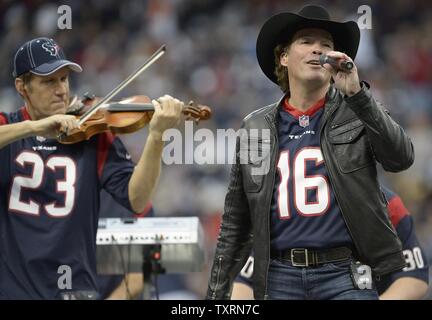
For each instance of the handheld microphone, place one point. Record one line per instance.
(343, 65)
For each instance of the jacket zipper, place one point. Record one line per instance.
(217, 278)
(338, 124)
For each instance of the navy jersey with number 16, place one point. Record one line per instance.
(304, 212)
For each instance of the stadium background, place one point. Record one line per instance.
(211, 59)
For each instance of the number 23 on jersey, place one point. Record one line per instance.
(28, 183)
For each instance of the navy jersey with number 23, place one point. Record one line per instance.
(49, 211)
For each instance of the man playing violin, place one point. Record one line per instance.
(50, 191)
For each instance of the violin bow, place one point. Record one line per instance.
(123, 84)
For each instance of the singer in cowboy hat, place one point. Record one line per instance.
(317, 219)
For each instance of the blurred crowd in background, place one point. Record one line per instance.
(211, 59)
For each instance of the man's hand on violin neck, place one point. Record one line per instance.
(167, 115)
(51, 126)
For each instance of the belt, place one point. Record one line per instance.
(302, 257)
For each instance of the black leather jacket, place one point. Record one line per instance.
(356, 133)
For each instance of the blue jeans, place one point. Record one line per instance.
(330, 281)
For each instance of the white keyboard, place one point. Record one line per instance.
(121, 241)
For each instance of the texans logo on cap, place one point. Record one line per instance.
(51, 48)
(32, 57)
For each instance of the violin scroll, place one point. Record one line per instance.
(196, 112)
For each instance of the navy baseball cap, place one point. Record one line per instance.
(41, 56)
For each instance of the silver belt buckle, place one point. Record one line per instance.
(299, 264)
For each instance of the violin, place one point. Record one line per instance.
(126, 116)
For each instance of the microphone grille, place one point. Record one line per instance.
(349, 65)
(322, 59)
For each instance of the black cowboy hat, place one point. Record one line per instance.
(281, 27)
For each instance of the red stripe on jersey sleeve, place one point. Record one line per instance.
(3, 119)
(105, 141)
(145, 211)
(397, 210)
